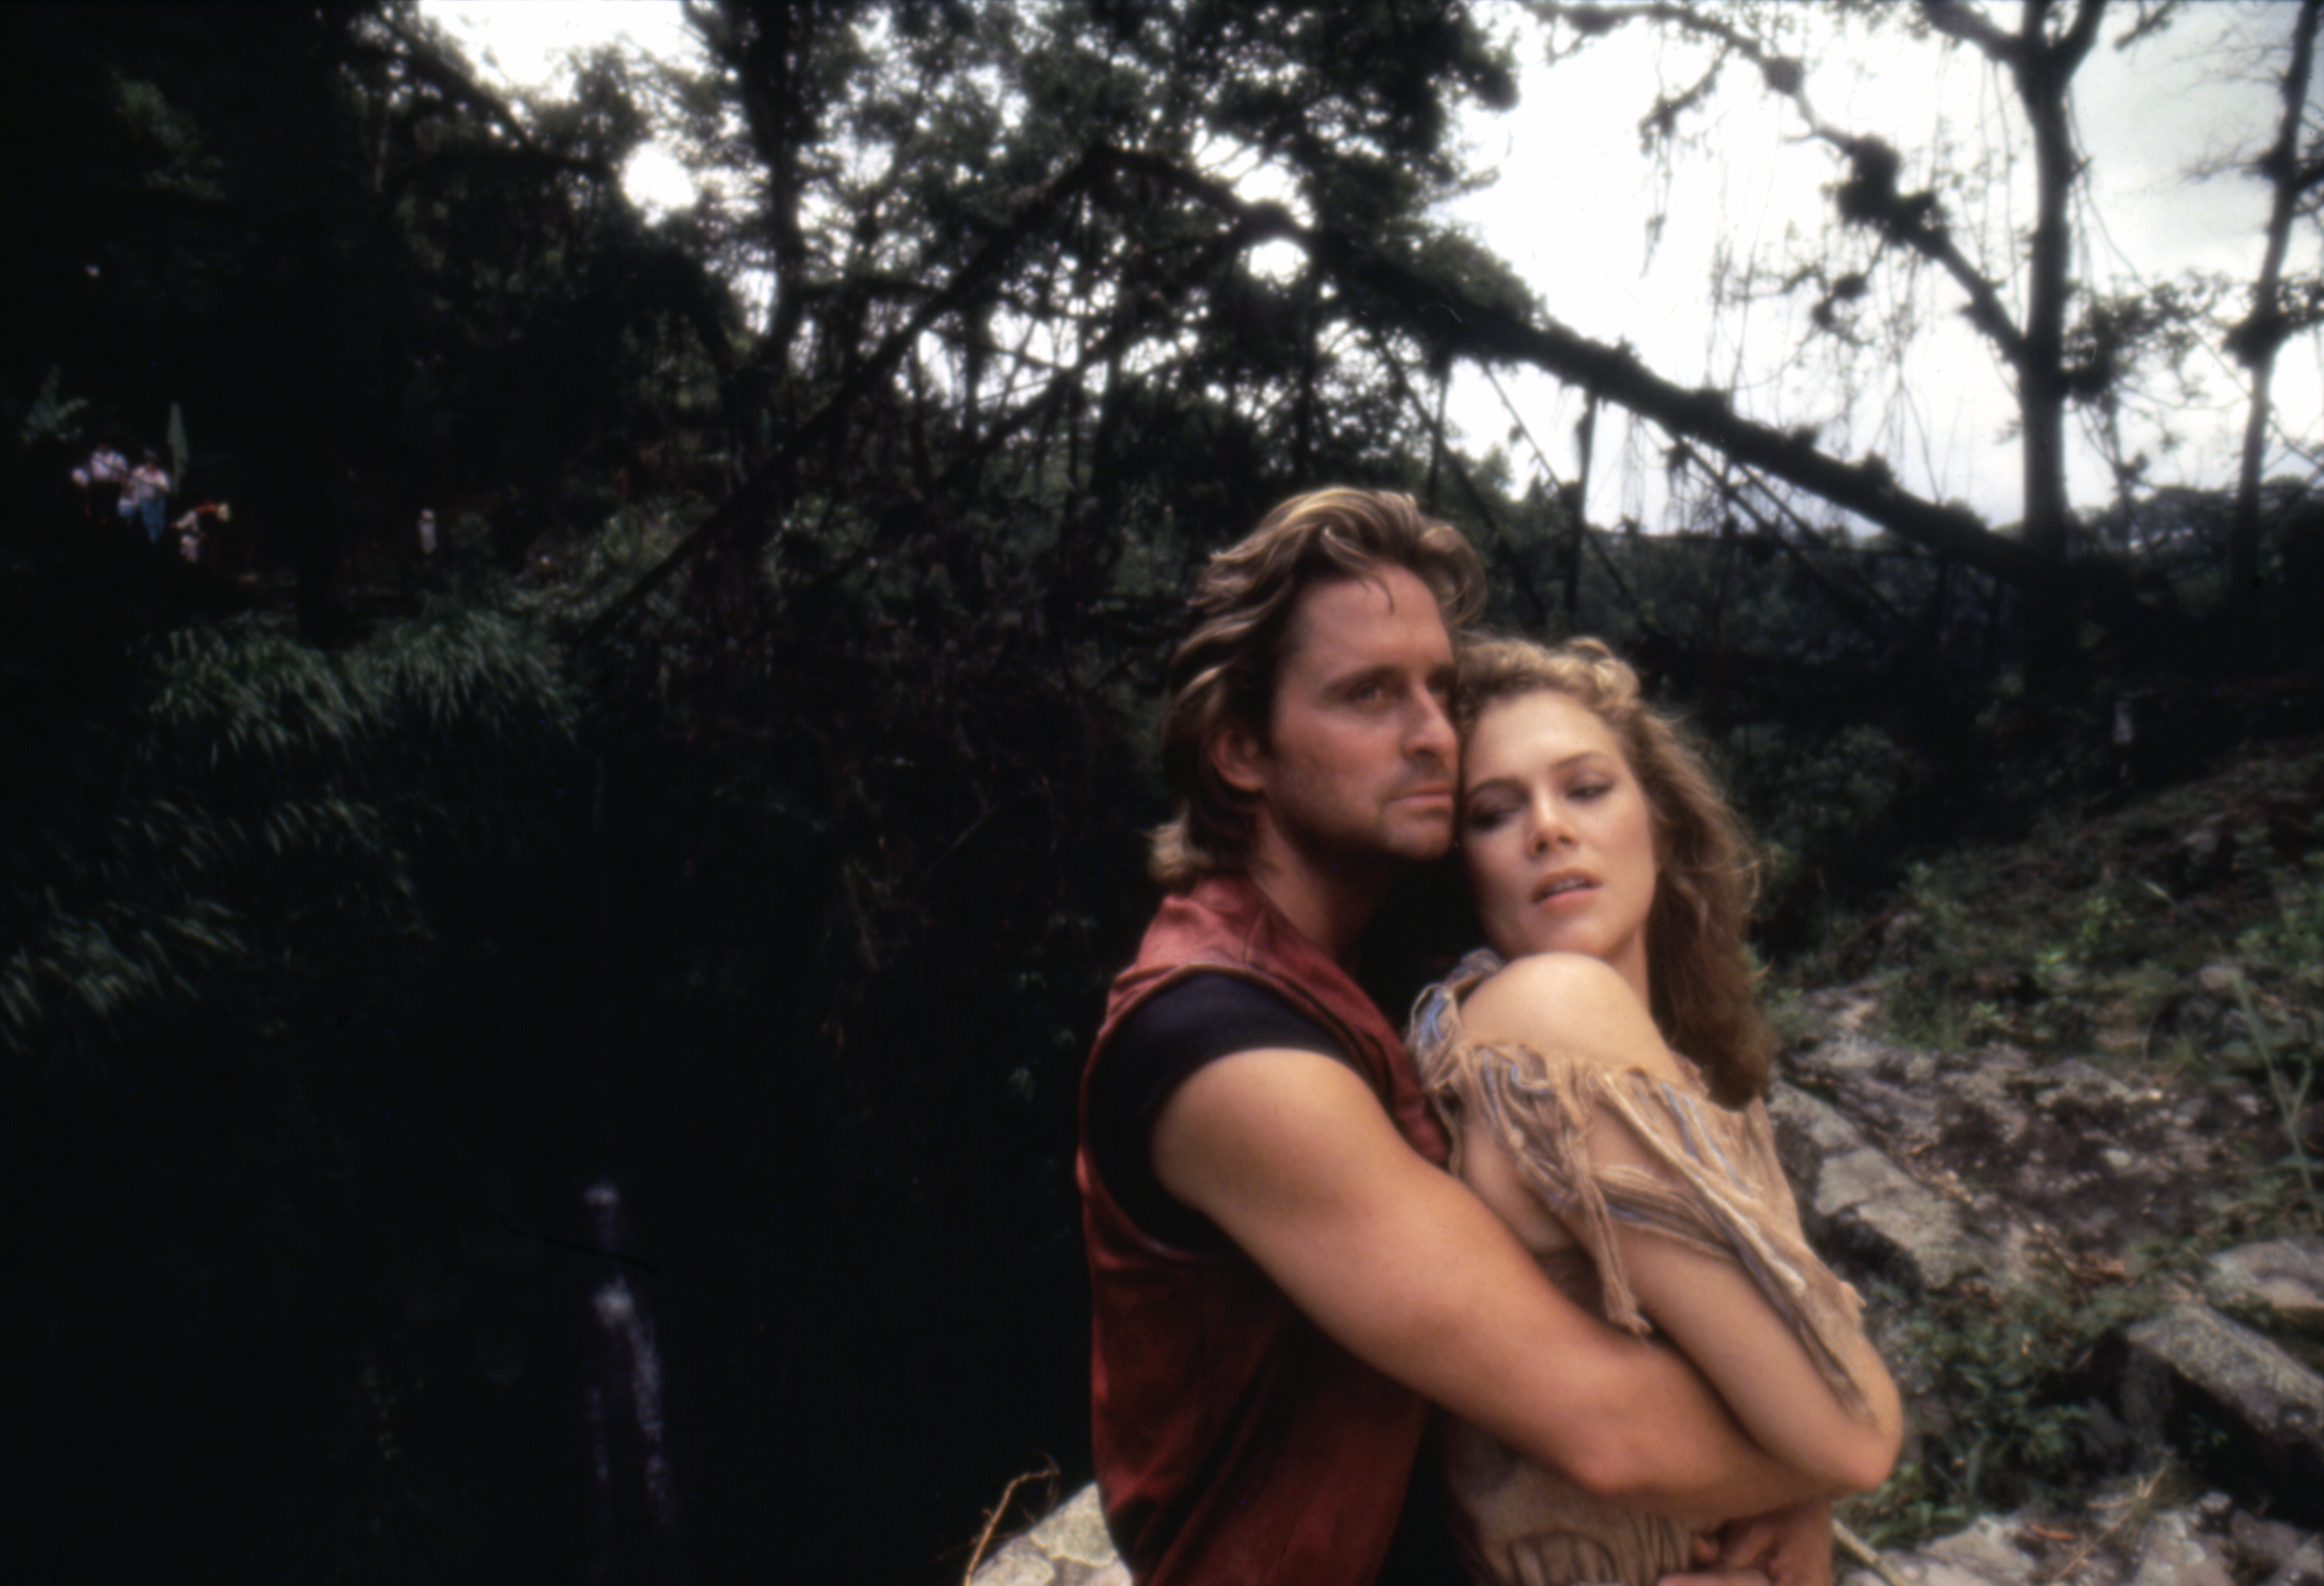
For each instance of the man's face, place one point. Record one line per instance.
(1359, 763)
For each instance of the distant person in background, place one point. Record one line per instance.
(194, 542)
(146, 497)
(100, 479)
(428, 535)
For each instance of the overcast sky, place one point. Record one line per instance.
(1570, 206)
(1570, 210)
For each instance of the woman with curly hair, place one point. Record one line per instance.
(1599, 1067)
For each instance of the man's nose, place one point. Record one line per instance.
(1432, 731)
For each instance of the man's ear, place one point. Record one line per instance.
(1237, 758)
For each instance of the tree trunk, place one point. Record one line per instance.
(2262, 336)
(2040, 373)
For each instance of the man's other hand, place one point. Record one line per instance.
(1785, 1547)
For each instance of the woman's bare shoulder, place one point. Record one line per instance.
(1571, 1006)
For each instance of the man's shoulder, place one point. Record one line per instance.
(1190, 1024)
(1217, 1008)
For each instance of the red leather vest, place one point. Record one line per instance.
(1235, 1443)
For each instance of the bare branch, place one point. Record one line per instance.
(1783, 73)
(2067, 53)
(2154, 17)
(743, 511)
(1869, 196)
(427, 61)
(1956, 20)
(1490, 334)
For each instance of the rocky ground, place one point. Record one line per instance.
(2032, 1237)
(2055, 1124)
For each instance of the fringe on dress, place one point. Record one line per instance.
(1720, 1192)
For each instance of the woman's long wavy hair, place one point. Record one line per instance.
(1707, 875)
(1223, 673)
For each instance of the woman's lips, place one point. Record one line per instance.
(1566, 885)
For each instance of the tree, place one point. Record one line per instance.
(2280, 308)
(1904, 209)
(775, 833)
(377, 271)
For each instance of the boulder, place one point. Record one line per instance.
(1070, 1548)
(1854, 1200)
(2172, 1550)
(2078, 1093)
(1985, 1554)
(2305, 1567)
(2192, 1366)
(2277, 1286)
(1889, 1088)
(2265, 1549)
(2186, 1546)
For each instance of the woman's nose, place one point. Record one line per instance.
(1548, 829)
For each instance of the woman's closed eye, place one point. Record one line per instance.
(1484, 818)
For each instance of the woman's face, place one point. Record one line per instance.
(1556, 833)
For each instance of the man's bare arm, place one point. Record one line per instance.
(1291, 1154)
(1711, 1308)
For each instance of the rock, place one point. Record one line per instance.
(2262, 1547)
(2075, 1091)
(1070, 1548)
(2177, 1547)
(1987, 1551)
(2104, 1440)
(2191, 1363)
(1987, 1093)
(1985, 1554)
(2219, 979)
(1853, 1197)
(2277, 1285)
(2203, 857)
(2171, 1551)
(2303, 1568)
(1888, 1088)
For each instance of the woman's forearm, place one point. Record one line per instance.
(1659, 1437)
(1578, 1052)
(1712, 1310)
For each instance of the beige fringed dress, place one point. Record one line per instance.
(1721, 1193)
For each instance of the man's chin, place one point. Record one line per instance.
(1420, 841)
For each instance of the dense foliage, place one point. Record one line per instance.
(735, 815)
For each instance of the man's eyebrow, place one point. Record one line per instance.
(1379, 672)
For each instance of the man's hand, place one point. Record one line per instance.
(1291, 1154)
(1786, 1547)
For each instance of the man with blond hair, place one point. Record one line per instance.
(1283, 1276)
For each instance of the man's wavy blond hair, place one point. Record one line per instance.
(1224, 674)
(1707, 874)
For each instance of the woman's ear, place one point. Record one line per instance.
(1237, 758)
